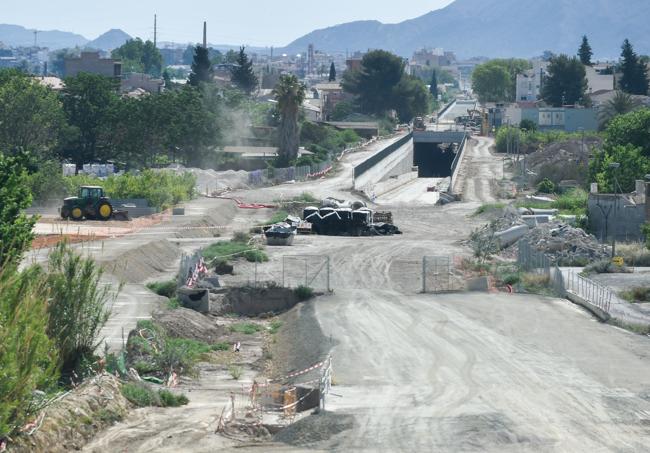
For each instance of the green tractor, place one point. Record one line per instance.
(91, 203)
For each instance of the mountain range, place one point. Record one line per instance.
(17, 36)
(498, 28)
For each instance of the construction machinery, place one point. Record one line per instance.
(418, 124)
(91, 203)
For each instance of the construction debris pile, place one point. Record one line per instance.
(566, 245)
(348, 218)
(562, 243)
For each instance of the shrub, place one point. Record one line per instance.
(546, 186)
(484, 243)
(221, 346)
(142, 395)
(638, 294)
(275, 326)
(165, 289)
(489, 207)
(303, 293)
(604, 267)
(174, 303)
(15, 227)
(247, 328)
(78, 305)
(535, 283)
(228, 250)
(28, 358)
(635, 254)
(169, 399)
(235, 371)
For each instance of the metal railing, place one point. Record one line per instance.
(593, 292)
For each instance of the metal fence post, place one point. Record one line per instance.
(306, 279)
(283, 263)
(424, 274)
(329, 288)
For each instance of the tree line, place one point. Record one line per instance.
(566, 79)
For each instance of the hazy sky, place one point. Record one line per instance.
(253, 22)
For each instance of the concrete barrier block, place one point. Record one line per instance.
(479, 284)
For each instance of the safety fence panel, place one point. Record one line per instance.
(593, 292)
(312, 271)
(439, 274)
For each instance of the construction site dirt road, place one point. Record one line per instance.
(455, 372)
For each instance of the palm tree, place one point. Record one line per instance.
(620, 104)
(290, 94)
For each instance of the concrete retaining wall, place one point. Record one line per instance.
(597, 312)
(376, 170)
(390, 184)
(624, 219)
(457, 164)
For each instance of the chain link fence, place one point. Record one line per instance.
(312, 271)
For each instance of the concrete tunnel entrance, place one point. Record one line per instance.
(433, 160)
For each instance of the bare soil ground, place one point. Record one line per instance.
(426, 372)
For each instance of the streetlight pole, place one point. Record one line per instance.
(615, 166)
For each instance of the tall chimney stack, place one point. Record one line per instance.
(205, 35)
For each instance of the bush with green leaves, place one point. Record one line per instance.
(28, 357)
(143, 395)
(15, 227)
(79, 305)
(229, 250)
(247, 328)
(303, 293)
(484, 243)
(605, 266)
(166, 288)
(546, 186)
(161, 189)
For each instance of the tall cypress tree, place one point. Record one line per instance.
(243, 75)
(433, 89)
(585, 52)
(332, 77)
(201, 66)
(635, 76)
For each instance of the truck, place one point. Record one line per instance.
(418, 124)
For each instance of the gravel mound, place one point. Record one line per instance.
(137, 265)
(315, 428)
(186, 323)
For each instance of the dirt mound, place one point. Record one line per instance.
(218, 216)
(300, 343)
(567, 160)
(315, 428)
(71, 422)
(144, 262)
(186, 323)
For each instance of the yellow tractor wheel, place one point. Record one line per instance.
(76, 213)
(104, 211)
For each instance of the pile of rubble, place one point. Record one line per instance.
(562, 243)
(565, 244)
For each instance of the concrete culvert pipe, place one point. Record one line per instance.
(508, 237)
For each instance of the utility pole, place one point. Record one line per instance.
(35, 38)
(205, 35)
(155, 30)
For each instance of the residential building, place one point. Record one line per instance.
(598, 80)
(136, 81)
(92, 63)
(330, 94)
(569, 119)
